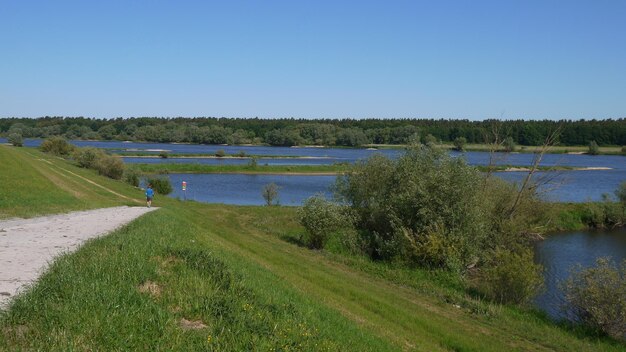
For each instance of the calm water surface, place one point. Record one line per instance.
(560, 253)
(246, 189)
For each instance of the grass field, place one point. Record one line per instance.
(32, 184)
(194, 276)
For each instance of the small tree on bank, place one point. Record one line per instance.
(270, 194)
(459, 143)
(593, 148)
(16, 139)
(509, 145)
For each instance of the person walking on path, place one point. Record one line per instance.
(149, 195)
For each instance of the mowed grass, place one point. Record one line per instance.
(194, 276)
(154, 286)
(33, 183)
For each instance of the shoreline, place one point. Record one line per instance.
(225, 157)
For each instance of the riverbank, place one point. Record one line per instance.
(196, 276)
(574, 150)
(166, 155)
(333, 169)
(161, 168)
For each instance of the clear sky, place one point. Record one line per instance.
(327, 59)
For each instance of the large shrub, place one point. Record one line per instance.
(161, 185)
(321, 218)
(16, 139)
(110, 166)
(424, 197)
(131, 176)
(597, 297)
(57, 146)
(512, 277)
(87, 157)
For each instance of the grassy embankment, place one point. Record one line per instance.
(25, 192)
(238, 281)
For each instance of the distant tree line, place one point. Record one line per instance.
(290, 132)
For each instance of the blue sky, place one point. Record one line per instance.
(327, 59)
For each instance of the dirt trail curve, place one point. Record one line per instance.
(27, 246)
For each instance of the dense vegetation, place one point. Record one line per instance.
(345, 132)
(430, 210)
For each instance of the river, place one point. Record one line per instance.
(565, 186)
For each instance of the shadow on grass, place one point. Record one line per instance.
(293, 239)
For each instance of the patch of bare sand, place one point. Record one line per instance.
(151, 288)
(192, 324)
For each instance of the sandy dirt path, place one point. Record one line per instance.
(27, 246)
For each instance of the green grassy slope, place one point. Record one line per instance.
(230, 269)
(33, 183)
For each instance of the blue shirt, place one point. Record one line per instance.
(150, 192)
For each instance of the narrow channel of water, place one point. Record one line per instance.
(560, 253)
(241, 189)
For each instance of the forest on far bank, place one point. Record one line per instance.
(338, 132)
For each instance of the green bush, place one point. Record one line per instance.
(604, 214)
(430, 140)
(87, 157)
(321, 218)
(509, 145)
(57, 146)
(110, 166)
(131, 176)
(220, 153)
(16, 139)
(593, 148)
(163, 155)
(512, 277)
(161, 185)
(398, 202)
(459, 143)
(253, 162)
(597, 297)
(270, 194)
